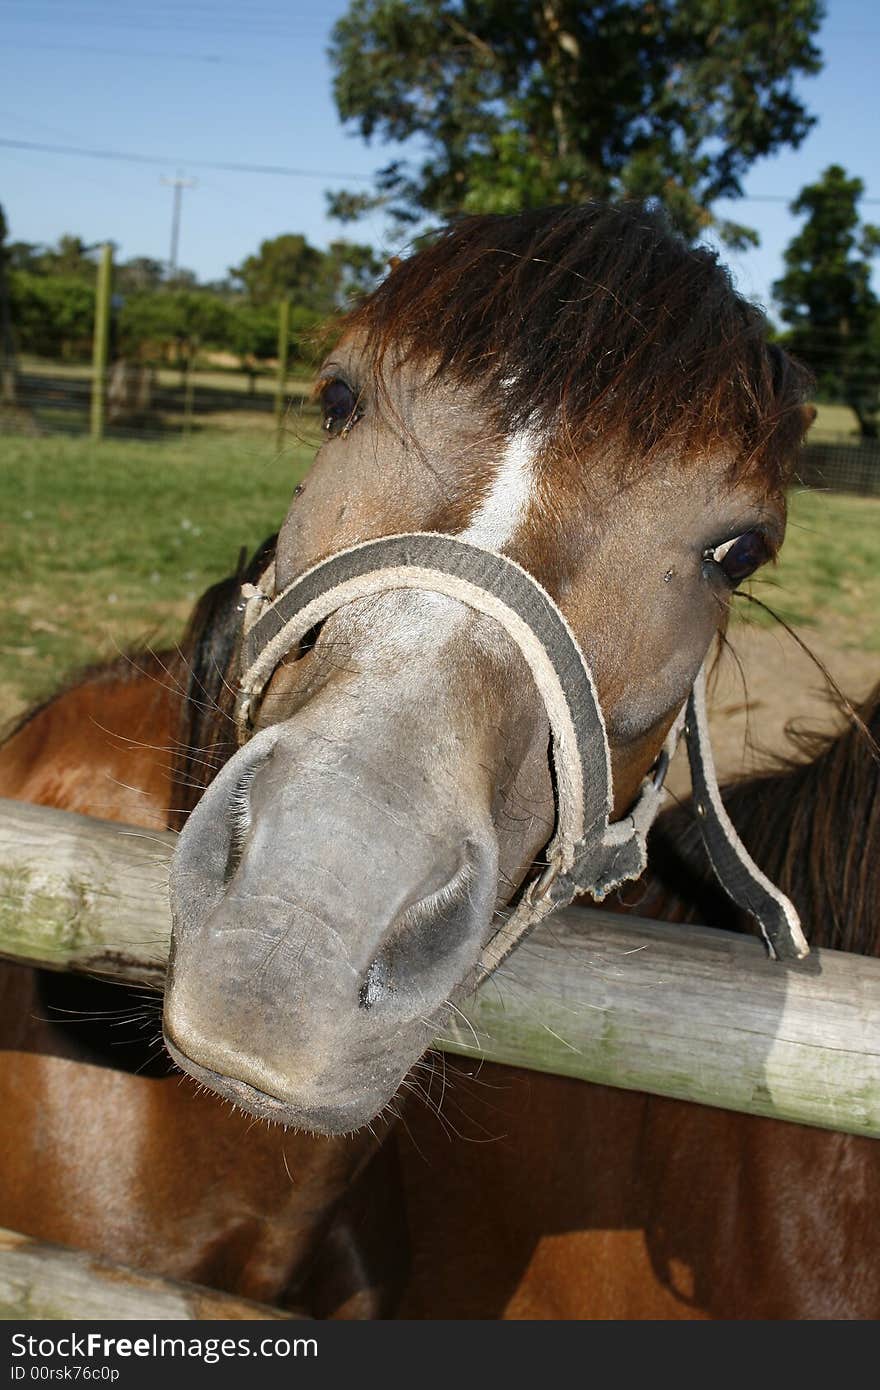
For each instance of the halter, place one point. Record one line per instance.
(588, 853)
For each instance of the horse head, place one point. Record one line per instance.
(577, 390)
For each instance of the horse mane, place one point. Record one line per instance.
(210, 650)
(595, 325)
(811, 822)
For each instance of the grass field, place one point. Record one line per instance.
(102, 547)
(105, 547)
(828, 575)
(833, 422)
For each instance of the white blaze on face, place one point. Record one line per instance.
(493, 525)
(505, 505)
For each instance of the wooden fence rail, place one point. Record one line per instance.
(681, 1011)
(40, 1281)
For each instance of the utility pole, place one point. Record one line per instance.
(178, 184)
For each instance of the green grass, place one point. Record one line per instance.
(105, 547)
(833, 422)
(828, 576)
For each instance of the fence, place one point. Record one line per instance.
(144, 402)
(127, 398)
(40, 1281)
(842, 467)
(688, 1012)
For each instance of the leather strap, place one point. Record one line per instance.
(734, 867)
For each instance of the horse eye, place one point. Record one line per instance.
(339, 408)
(741, 556)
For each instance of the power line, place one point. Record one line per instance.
(287, 171)
(124, 157)
(148, 53)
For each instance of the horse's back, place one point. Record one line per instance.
(103, 747)
(583, 1202)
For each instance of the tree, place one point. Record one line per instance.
(71, 258)
(54, 315)
(154, 323)
(526, 102)
(352, 271)
(253, 336)
(826, 297)
(288, 267)
(284, 266)
(22, 255)
(139, 273)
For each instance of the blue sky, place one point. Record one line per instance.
(233, 83)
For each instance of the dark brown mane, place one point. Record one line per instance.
(209, 650)
(596, 323)
(812, 823)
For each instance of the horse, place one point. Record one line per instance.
(584, 392)
(579, 392)
(105, 1150)
(647, 1207)
(601, 1203)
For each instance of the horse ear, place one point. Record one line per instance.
(393, 263)
(809, 413)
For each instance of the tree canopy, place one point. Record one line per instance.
(519, 103)
(53, 315)
(825, 295)
(51, 293)
(289, 267)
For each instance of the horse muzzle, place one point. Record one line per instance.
(322, 919)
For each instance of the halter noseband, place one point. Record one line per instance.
(588, 853)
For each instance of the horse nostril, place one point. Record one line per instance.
(424, 942)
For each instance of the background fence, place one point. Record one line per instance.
(143, 401)
(843, 467)
(170, 380)
(147, 395)
(146, 402)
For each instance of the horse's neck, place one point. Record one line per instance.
(103, 747)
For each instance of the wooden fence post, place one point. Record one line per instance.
(101, 340)
(283, 353)
(189, 391)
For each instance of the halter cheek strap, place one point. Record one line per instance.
(734, 868)
(588, 853)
